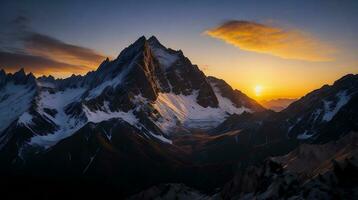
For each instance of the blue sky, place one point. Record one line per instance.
(109, 26)
(98, 23)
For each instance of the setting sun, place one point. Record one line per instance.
(258, 90)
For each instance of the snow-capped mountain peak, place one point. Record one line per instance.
(148, 86)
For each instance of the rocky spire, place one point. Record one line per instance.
(154, 42)
(19, 77)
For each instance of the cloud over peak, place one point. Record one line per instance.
(284, 43)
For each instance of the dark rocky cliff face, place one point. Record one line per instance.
(325, 171)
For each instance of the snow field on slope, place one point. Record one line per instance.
(66, 124)
(14, 101)
(185, 110)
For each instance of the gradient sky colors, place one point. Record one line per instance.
(286, 47)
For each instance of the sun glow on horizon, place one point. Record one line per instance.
(258, 90)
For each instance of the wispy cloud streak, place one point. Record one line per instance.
(51, 48)
(21, 47)
(284, 43)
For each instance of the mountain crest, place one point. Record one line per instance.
(19, 77)
(148, 86)
(154, 42)
(347, 79)
(133, 48)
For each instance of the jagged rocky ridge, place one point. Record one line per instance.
(322, 115)
(150, 117)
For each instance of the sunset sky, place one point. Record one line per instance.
(268, 50)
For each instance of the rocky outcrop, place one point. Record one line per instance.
(310, 172)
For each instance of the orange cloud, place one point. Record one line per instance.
(289, 44)
(51, 48)
(12, 62)
(21, 47)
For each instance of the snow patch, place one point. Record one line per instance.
(90, 161)
(14, 101)
(226, 105)
(25, 118)
(105, 114)
(304, 136)
(67, 125)
(290, 128)
(161, 138)
(316, 114)
(98, 90)
(117, 80)
(165, 58)
(330, 112)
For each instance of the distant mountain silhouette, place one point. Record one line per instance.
(277, 104)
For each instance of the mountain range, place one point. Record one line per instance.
(151, 125)
(277, 104)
